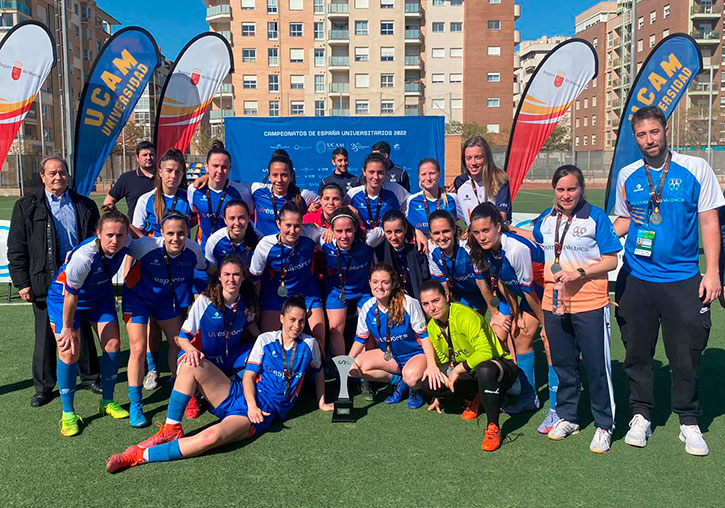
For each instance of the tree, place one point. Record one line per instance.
(559, 140)
(130, 136)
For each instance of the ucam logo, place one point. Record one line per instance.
(674, 184)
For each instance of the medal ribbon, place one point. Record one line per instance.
(215, 216)
(559, 242)
(495, 276)
(287, 371)
(228, 326)
(475, 191)
(285, 267)
(274, 203)
(427, 210)
(656, 196)
(343, 277)
(447, 335)
(373, 222)
(450, 276)
(387, 328)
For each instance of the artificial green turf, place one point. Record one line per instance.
(391, 456)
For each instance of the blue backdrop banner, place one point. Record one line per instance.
(311, 140)
(116, 82)
(662, 81)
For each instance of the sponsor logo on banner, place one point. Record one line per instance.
(195, 76)
(559, 79)
(17, 71)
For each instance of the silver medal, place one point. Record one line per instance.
(655, 219)
(555, 268)
(449, 371)
(495, 302)
(282, 292)
(388, 356)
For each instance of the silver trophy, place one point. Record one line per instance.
(344, 411)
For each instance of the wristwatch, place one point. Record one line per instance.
(581, 272)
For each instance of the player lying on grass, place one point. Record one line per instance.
(270, 387)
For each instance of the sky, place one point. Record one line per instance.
(174, 22)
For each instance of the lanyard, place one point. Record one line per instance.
(373, 222)
(228, 326)
(427, 210)
(657, 195)
(402, 270)
(447, 335)
(287, 371)
(343, 277)
(450, 277)
(173, 203)
(285, 264)
(495, 276)
(167, 262)
(215, 216)
(387, 329)
(475, 191)
(559, 241)
(274, 203)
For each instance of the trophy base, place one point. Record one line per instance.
(344, 411)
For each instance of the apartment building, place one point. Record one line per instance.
(88, 28)
(144, 114)
(608, 26)
(368, 57)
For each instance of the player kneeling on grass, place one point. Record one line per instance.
(470, 354)
(84, 285)
(271, 384)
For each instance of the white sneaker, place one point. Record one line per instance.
(694, 442)
(562, 429)
(601, 442)
(640, 429)
(151, 381)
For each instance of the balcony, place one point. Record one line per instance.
(517, 11)
(226, 34)
(412, 61)
(226, 90)
(16, 5)
(702, 89)
(339, 35)
(218, 115)
(705, 11)
(517, 61)
(340, 112)
(412, 9)
(703, 37)
(413, 88)
(708, 62)
(219, 13)
(338, 10)
(340, 88)
(339, 61)
(412, 35)
(616, 103)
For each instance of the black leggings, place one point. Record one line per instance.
(490, 381)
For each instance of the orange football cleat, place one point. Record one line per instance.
(472, 407)
(167, 433)
(132, 456)
(491, 439)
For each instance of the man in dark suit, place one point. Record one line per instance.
(45, 226)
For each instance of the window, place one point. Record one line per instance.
(594, 139)
(362, 81)
(319, 108)
(439, 2)
(577, 141)
(666, 11)
(493, 77)
(493, 102)
(248, 5)
(249, 55)
(295, 30)
(586, 103)
(249, 82)
(438, 53)
(438, 104)
(362, 4)
(296, 82)
(595, 42)
(273, 83)
(272, 33)
(594, 101)
(652, 41)
(665, 33)
(494, 51)
(456, 103)
(456, 26)
(639, 45)
(298, 108)
(387, 107)
(492, 128)
(387, 4)
(640, 22)
(387, 28)
(594, 120)
(319, 57)
(319, 83)
(362, 107)
(455, 78)
(494, 1)
(456, 52)
(494, 24)
(577, 123)
(87, 55)
(437, 78)
(456, 2)
(249, 29)
(585, 140)
(387, 54)
(273, 108)
(319, 7)
(319, 30)
(361, 27)
(296, 5)
(586, 121)
(296, 55)
(362, 54)
(250, 107)
(439, 27)
(272, 8)
(273, 57)
(386, 80)
(652, 17)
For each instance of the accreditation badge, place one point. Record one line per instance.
(645, 243)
